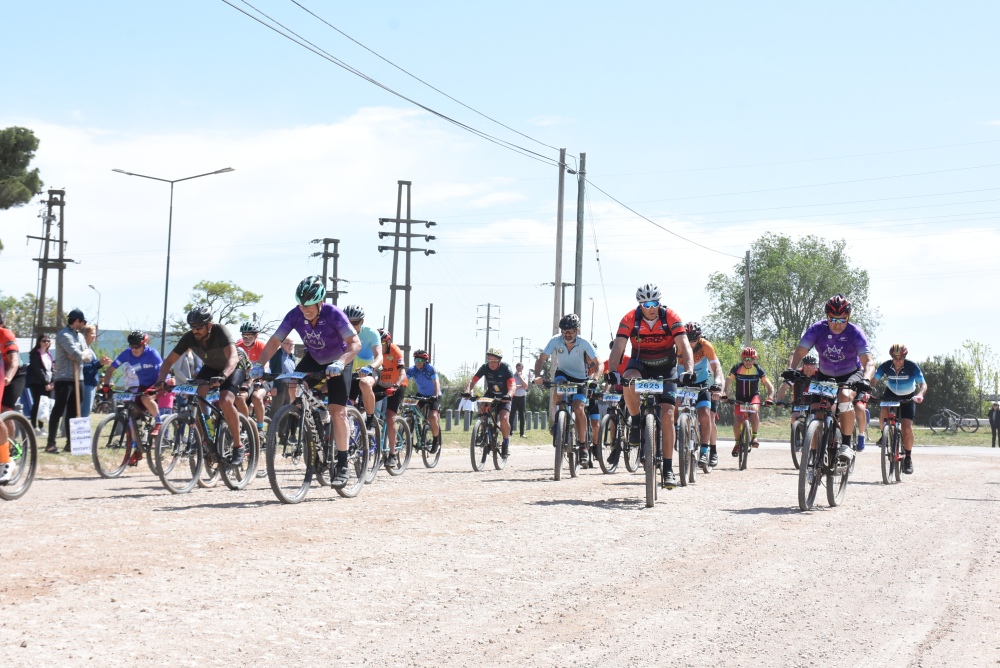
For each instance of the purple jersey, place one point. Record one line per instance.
(839, 354)
(325, 340)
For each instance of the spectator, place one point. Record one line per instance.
(520, 397)
(283, 361)
(186, 368)
(71, 353)
(39, 377)
(90, 371)
(465, 404)
(995, 422)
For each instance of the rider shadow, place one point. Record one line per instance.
(549, 479)
(761, 511)
(955, 498)
(609, 504)
(230, 504)
(117, 496)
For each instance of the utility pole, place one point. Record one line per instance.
(748, 334)
(520, 357)
(327, 256)
(408, 249)
(581, 182)
(557, 303)
(489, 318)
(560, 300)
(429, 328)
(57, 198)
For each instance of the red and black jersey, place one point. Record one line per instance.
(653, 344)
(747, 381)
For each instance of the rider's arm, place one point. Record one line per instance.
(510, 387)
(353, 346)
(376, 363)
(270, 348)
(729, 383)
(538, 365)
(868, 364)
(717, 372)
(231, 363)
(767, 384)
(800, 352)
(11, 361)
(472, 383)
(164, 368)
(402, 377)
(437, 386)
(615, 358)
(684, 352)
(782, 391)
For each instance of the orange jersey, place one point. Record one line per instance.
(253, 351)
(653, 344)
(621, 365)
(392, 364)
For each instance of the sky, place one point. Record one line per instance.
(877, 123)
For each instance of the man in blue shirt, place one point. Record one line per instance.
(145, 362)
(368, 361)
(904, 382)
(428, 390)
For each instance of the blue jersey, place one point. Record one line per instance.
(570, 362)
(902, 382)
(424, 377)
(146, 366)
(369, 337)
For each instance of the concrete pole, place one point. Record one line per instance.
(556, 314)
(580, 185)
(748, 334)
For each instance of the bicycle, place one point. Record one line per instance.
(123, 437)
(415, 414)
(103, 401)
(798, 429)
(820, 463)
(649, 391)
(486, 435)
(194, 445)
(564, 425)
(23, 455)
(892, 452)
(378, 448)
(948, 420)
(613, 434)
(688, 430)
(300, 443)
(745, 439)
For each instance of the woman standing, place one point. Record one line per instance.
(39, 376)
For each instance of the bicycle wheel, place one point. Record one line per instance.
(682, 447)
(479, 445)
(178, 454)
(836, 482)
(744, 445)
(969, 424)
(262, 443)
(430, 452)
(606, 443)
(558, 444)
(694, 438)
(649, 453)
(374, 452)
(630, 453)
(404, 448)
(23, 455)
(111, 446)
(888, 456)
(810, 468)
(290, 453)
(571, 449)
(938, 423)
(499, 461)
(357, 454)
(237, 475)
(897, 455)
(798, 435)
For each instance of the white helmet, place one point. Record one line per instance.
(648, 293)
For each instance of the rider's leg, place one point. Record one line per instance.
(632, 404)
(581, 421)
(368, 396)
(907, 429)
(5, 465)
(504, 416)
(228, 407)
(150, 405)
(241, 404)
(861, 419)
(434, 420)
(738, 419)
(390, 430)
(669, 432)
(257, 398)
(846, 400)
(754, 425)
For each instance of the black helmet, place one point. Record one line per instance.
(354, 312)
(569, 321)
(137, 337)
(310, 291)
(693, 330)
(199, 315)
(809, 359)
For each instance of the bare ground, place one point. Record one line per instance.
(509, 568)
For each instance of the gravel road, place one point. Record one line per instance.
(449, 567)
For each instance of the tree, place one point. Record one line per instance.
(949, 383)
(224, 298)
(19, 314)
(17, 184)
(984, 365)
(790, 281)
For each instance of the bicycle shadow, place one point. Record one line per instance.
(227, 504)
(761, 511)
(608, 504)
(955, 498)
(115, 496)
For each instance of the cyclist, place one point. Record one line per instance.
(251, 344)
(658, 337)
(391, 387)
(499, 382)
(799, 386)
(331, 344)
(616, 451)
(844, 357)
(574, 361)
(904, 380)
(706, 368)
(9, 362)
(746, 378)
(145, 362)
(428, 390)
(366, 364)
(216, 347)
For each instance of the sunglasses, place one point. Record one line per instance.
(650, 304)
(838, 320)
(419, 361)
(198, 328)
(749, 359)
(898, 357)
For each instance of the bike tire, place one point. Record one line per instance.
(179, 454)
(969, 424)
(631, 455)
(430, 452)
(694, 438)
(404, 448)
(374, 452)
(810, 468)
(836, 483)
(897, 455)
(558, 443)
(358, 451)
(479, 445)
(23, 455)
(237, 475)
(938, 423)
(111, 447)
(607, 441)
(744, 445)
(571, 449)
(290, 455)
(649, 452)
(887, 456)
(798, 437)
(499, 461)
(262, 440)
(682, 447)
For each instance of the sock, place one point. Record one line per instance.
(753, 434)
(5, 453)
(668, 464)
(861, 440)
(907, 453)
(845, 440)
(341, 459)
(713, 449)
(260, 425)
(506, 441)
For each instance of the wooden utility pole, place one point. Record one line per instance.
(557, 305)
(580, 185)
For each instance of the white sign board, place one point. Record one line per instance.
(79, 436)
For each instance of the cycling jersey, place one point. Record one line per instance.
(8, 344)
(212, 352)
(839, 354)
(903, 382)
(747, 381)
(253, 350)
(324, 340)
(621, 365)
(800, 390)
(497, 382)
(146, 365)
(424, 378)
(704, 359)
(652, 342)
(369, 339)
(392, 365)
(570, 361)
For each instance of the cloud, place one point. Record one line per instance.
(498, 198)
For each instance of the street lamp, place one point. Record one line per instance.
(97, 322)
(170, 227)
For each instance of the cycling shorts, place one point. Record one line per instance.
(904, 411)
(355, 393)
(593, 409)
(666, 371)
(432, 403)
(336, 387)
(231, 384)
(504, 406)
(391, 402)
(852, 377)
(738, 410)
(704, 399)
(10, 395)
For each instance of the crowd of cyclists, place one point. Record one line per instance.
(363, 367)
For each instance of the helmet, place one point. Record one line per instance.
(310, 291)
(898, 349)
(250, 327)
(384, 336)
(138, 337)
(421, 355)
(648, 293)
(810, 360)
(354, 312)
(749, 352)
(199, 315)
(569, 321)
(495, 352)
(839, 306)
(693, 330)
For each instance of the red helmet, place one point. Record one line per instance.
(838, 306)
(384, 335)
(749, 352)
(898, 349)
